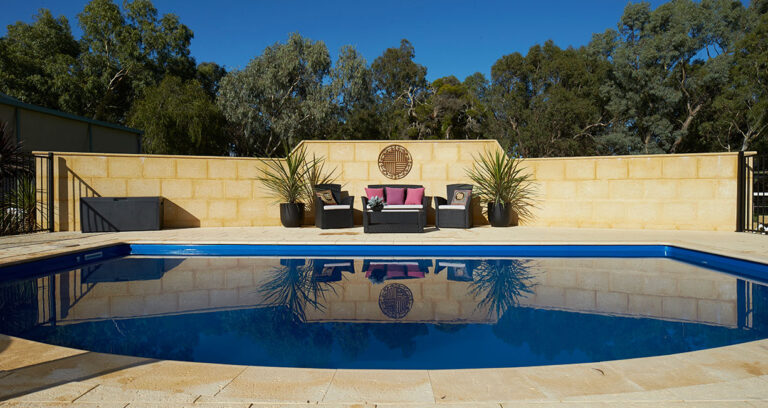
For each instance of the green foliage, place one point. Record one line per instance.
(280, 98)
(38, 62)
(12, 159)
(126, 52)
(18, 208)
(180, 118)
(500, 179)
(293, 179)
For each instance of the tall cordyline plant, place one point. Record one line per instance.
(500, 180)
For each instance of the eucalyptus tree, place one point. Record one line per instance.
(351, 89)
(452, 111)
(38, 60)
(547, 103)
(401, 86)
(179, 117)
(126, 51)
(667, 66)
(741, 122)
(279, 98)
(209, 75)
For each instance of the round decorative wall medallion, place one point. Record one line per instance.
(395, 300)
(395, 162)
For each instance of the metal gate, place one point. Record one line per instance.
(26, 196)
(752, 190)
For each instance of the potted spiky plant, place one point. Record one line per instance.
(287, 180)
(292, 182)
(501, 183)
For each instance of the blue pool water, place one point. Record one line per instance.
(386, 307)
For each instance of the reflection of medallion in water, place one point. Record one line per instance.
(395, 162)
(395, 300)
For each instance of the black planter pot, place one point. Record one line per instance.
(499, 214)
(292, 214)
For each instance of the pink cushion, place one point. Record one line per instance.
(378, 192)
(395, 196)
(414, 195)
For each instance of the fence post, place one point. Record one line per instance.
(740, 191)
(50, 192)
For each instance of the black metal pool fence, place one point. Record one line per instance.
(752, 199)
(26, 196)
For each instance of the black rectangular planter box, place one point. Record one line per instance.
(114, 214)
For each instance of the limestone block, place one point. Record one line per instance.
(697, 189)
(161, 304)
(341, 310)
(726, 189)
(357, 292)
(207, 189)
(591, 189)
(446, 310)
(697, 288)
(614, 168)
(593, 280)
(222, 209)
(580, 299)
(143, 187)
(679, 308)
(239, 278)
(420, 152)
(87, 166)
(206, 279)
(435, 291)
(446, 152)
(659, 285)
(126, 306)
(192, 168)
(549, 296)
(365, 152)
(223, 297)
(677, 167)
(611, 211)
(238, 188)
(643, 211)
(249, 169)
(724, 167)
(341, 152)
(561, 190)
(89, 308)
(645, 305)
(109, 187)
(660, 189)
(550, 170)
(222, 169)
(718, 312)
(354, 171)
(677, 212)
(434, 171)
(178, 279)
(158, 168)
(186, 209)
(147, 287)
(580, 169)
(172, 189)
(612, 302)
(194, 300)
(625, 189)
(124, 167)
(367, 311)
(644, 168)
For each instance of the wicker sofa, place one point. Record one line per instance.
(420, 221)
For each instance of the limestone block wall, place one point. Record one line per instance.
(198, 191)
(689, 191)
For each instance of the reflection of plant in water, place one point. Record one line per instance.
(18, 306)
(291, 288)
(499, 283)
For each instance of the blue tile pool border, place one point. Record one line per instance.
(740, 267)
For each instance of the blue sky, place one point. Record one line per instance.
(450, 37)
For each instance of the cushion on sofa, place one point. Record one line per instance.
(395, 196)
(414, 195)
(371, 192)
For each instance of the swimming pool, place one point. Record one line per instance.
(392, 307)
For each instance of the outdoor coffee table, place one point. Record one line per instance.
(393, 221)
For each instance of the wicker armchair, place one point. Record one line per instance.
(452, 216)
(334, 216)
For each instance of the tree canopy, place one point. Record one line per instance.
(687, 76)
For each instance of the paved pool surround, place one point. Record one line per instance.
(672, 192)
(39, 374)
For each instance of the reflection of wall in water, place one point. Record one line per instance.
(638, 287)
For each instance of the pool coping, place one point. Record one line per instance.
(737, 374)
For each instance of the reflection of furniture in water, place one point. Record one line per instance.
(129, 269)
(329, 270)
(458, 269)
(379, 270)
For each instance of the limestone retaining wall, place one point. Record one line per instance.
(689, 191)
